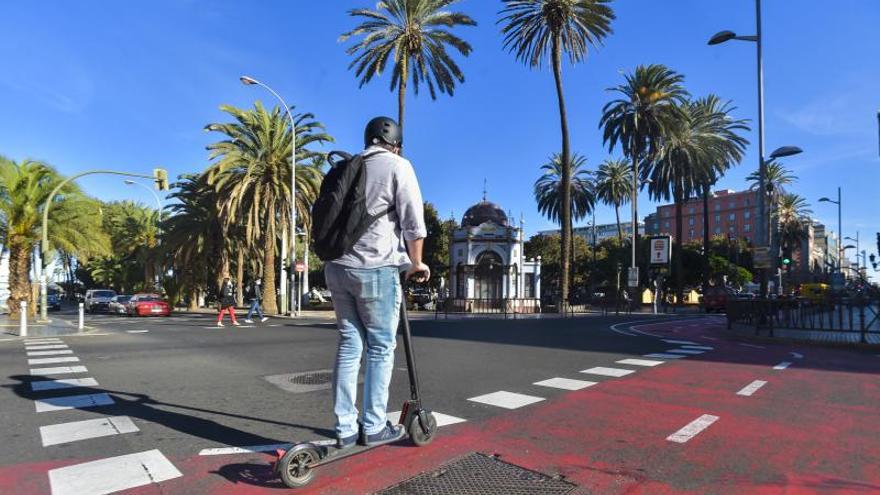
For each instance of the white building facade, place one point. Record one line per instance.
(486, 258)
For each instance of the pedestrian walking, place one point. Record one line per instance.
(363, 273)
(256, 292)
(227, 301)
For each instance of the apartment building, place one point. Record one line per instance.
(730, 213)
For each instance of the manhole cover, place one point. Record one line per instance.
(312, 378)
(480, 474)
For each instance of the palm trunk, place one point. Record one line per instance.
(401, 97)
(239, 278)
(635, 208)
(19, 275)
(705, 238)
(270, 305)
(679, 267)
(619, 227)
(566, 169)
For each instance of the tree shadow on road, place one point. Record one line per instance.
(144, 407)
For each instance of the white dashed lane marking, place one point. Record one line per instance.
(603, 371)
(73, 402)
(112, 474)
(137, 331)
(782, 365)
(53, 360)
(685, 351)
(692, 429)
(683, 342)
(84, 430)
(796, 355)
(660, 355)
(640, 362)
(60, 370)
(507, 400)
(565, 383)
(42, 385)
(698, 347)
(751, 388)
(753, 346)
(56, 352)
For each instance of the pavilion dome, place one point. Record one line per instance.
(482, 212)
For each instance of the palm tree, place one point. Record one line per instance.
(647, 108)
(537, 29)
(777, 177)
(700, 145)
(548, 189)
(73, 224)
(192, 234)
(793, 215)
(614, 186)
(252, 177)
(415, 35)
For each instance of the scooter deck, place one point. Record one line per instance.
(328, 452)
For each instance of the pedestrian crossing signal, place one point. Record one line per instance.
(160, 177)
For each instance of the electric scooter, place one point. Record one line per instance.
(296, 467)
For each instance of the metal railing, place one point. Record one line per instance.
(854, 314)
(507, 307)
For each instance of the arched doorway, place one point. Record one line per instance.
(488, 276)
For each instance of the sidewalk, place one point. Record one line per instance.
(818, 337)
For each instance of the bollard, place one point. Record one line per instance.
(22, 326)
(81, 311)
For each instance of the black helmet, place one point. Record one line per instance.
(382, 129)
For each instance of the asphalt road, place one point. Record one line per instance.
(184, 386)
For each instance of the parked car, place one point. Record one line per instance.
(98, 300)
(148, 305)
(53, 302)
(119, 304)
(715, 299)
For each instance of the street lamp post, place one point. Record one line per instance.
(761, 226)
(286, 255)
(839, 204)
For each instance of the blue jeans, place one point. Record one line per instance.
(367, 305)
(255, 306)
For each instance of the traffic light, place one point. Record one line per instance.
(160, 177)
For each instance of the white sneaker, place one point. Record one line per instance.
(236, 323)
(264, 319)
(220, 324)
(248, 321)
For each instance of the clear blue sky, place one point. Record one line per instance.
(130, 85)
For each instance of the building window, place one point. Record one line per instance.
(747, 215)
(717, 218)
(691, 221)
(717, 206)
(691, 233)
(717, 230)
(747, 227)
(666, 224)
(732, 217)
(731, 229)
(691, 210)
(748, 201)
(732, 204)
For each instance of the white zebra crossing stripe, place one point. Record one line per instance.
(54, 360)
(49, 353)
(684, 351)
(565, 383)
(603, 371)
(692, 429)
(44, 347)
(73, 402)
(442, 419)
(112, 474)
(84, 430)
(782, 365)
(42, 385)
(751, 388)
(45, 341)
(640, 362)
(60, 370)
(507, 400)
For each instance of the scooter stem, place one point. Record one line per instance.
(407, 344)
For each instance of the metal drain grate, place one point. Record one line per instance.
(480, 474)
(312, 378)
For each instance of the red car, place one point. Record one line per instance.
(148, 305)
(715, 299)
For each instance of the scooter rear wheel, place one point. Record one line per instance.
(418, 436)
(295, 466)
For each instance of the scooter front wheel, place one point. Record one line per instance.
(295, 467)
(417, 434)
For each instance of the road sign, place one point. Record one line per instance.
(633, 277)
(660, 250)
(300, 266)
(761, 257)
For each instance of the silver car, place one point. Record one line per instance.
(98, 300)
